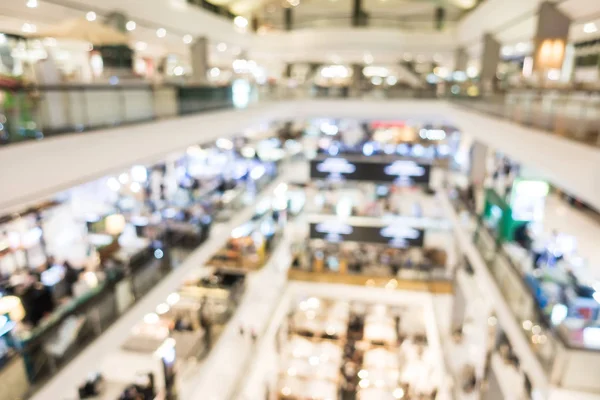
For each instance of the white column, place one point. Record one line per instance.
(199, 59)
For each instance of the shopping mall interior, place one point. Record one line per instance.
(285, 200)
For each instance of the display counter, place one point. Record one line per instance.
(374, 252)
(189, 322)
(251, 244)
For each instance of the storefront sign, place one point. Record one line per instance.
(393, 235)
(527, 199)
(400, 171)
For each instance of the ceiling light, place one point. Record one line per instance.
(391, 80)
(187, 39)
(32, 3)
(178, 70)
(141, 46)
(407, 57)
(221, 47)
(590, 27)
(240, 22)
(214, 72)
(507, 51)
(161, 32)
(368, 58)
(398, 393)
(130, 25)
(472, 72)
(28, 28)
(90, 16)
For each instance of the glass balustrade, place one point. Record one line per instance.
(36, 112)
(33, 113)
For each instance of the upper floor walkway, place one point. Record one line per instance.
(35, 169)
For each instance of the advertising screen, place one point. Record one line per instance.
(399, 171)
(393, 235)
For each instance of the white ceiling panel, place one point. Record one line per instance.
(494, 16)
(521, 31)
(581, 9)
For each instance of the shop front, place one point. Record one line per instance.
(367, 251)
(71, 266)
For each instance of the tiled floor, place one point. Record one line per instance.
(226, 363)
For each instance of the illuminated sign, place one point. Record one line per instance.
(334, 231)
(336, 166)
(527, 199)
(405, 168)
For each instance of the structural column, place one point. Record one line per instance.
(288, 18)
(117, 20)
(357, 77)
(490, 57)
(478, 172)
(117, 59)
(550, 40)
(359, 16)
(199, 59)
(478, 163)
(461, 59)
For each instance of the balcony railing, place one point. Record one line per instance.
(346, 20)
(572, 115)
(40, 111)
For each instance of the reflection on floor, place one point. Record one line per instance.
(355, 350)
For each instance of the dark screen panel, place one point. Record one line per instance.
(402, 171)
(393, 235)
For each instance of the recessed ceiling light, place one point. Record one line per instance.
(28, 28)
(50, 42)
(90, 16)
(240, 22)
(222, 47)
(187, 39)
(590, 27)
(130, 25)
(161, 32)
(141, 46)
(32, 3)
